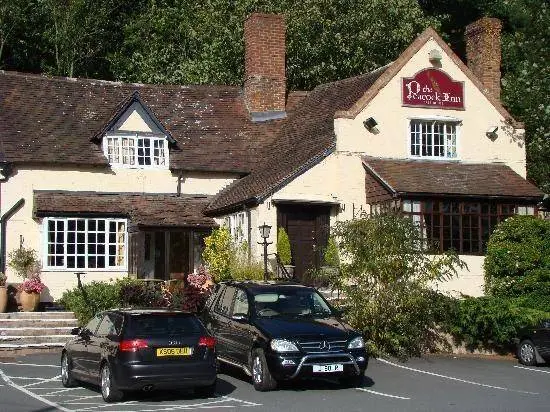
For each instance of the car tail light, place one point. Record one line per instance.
(208, 341)
(132, 345)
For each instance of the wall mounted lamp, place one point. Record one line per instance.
(491, 133)
(370, 124)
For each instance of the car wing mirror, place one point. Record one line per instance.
(240, 317)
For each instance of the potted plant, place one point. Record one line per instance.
(3, 293)
(30, 293)
(27, 267)
(284, 252)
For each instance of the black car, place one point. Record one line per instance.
(283, 331)
(533, 344)
(124, 350)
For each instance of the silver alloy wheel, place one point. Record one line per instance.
(257, 370)
(105, 382)
(65, 369)
(527, 353)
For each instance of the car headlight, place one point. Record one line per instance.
(356, 343)
(283, 345)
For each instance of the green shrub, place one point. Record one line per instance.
(283, 246)
(218, 254)
(95, 297)
(386, 274)
(489, 322)
(247, 270)
(332, 256)
(517, 246)
(140, 294)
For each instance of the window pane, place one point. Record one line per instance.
(433, 138)
(84, 246)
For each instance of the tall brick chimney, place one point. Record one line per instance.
(265, 78)
(483, 53)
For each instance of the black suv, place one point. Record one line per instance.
(282, 331)
(533, 344)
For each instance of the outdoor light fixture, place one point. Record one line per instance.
(491, 133)
(434, 56)
(264, 233)
(370, 124)
(265, 230)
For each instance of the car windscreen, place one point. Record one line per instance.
(149, 325)
(290, 302)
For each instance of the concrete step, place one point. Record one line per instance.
(35, 331)
(38, 323)
(34, 340)
(37, 315)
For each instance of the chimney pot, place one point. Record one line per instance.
(265, 78)
(483, 52)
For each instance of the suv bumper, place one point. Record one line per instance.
(291, 366)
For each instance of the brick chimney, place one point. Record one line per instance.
(483, 53)
(265, 78)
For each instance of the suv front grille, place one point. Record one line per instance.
(323, 346)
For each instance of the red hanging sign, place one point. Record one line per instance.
(432, 88)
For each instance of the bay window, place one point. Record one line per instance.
(85, 243)
(464, 226)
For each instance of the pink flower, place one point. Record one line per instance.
(32, 285)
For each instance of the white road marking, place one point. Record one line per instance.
(27, 378)
(32, 395)
(531, 369)
(452, 378)
(202, 405)
(107, 405)
(240, 400)
(28, 364)
(382, 394)
(55, 378)
(60, 391)
(81, 398)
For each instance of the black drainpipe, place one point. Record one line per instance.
(3, 221)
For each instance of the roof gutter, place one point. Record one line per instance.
(3, 224)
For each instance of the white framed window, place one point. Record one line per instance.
(237, 224)
(435, 139)
(85, 243)
(136, 151)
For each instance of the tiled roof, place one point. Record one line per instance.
(156, 210)
(52, 120)
(304, 139)
(450, 178)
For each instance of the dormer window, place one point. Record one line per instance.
(136, 150)
(435, 139)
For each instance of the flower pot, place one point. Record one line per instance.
(29, 301)
(3, 298)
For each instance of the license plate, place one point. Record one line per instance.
(333, 367)
(174, 351)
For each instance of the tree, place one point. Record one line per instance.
(386, 273)
(182, 41)
(12, 16)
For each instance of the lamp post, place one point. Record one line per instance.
(264, 233)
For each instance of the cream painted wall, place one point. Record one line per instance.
(26, 180)
(392, 118)
(469, 281)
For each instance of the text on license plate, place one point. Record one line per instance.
(333, 367)
(186, 351)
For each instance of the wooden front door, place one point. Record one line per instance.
(307, 227)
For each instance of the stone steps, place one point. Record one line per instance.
(34, 331)
(31, 332)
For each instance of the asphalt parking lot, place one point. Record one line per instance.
(32, 383)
